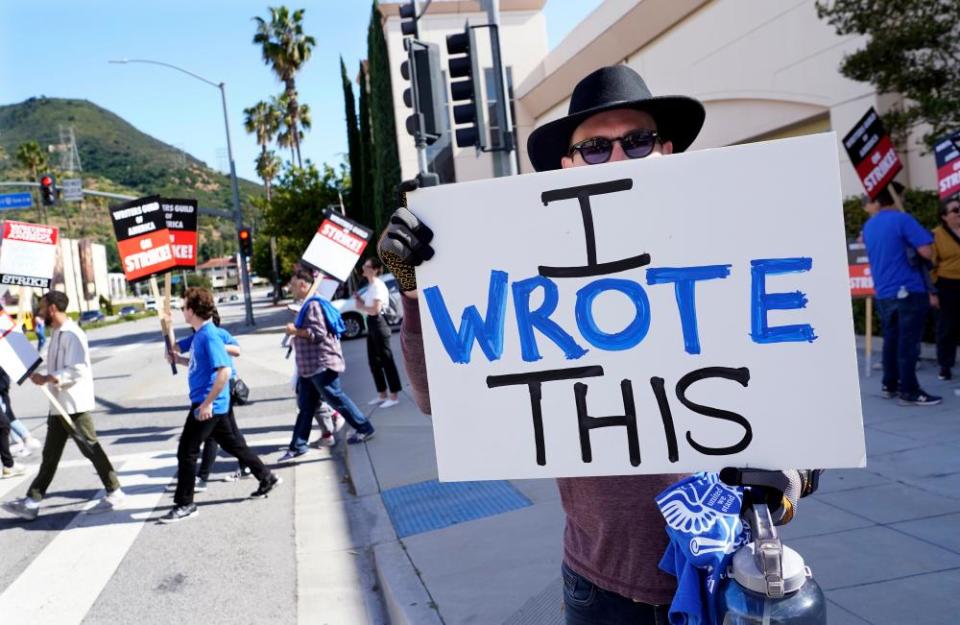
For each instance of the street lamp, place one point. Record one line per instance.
(237, 215)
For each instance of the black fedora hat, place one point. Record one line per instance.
(678, 118)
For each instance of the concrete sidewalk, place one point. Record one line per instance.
(882, 541)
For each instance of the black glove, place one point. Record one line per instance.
(780, 490)
(405, 243)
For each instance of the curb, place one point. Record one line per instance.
(404, 593)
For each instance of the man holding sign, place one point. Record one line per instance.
(69, 379)
(614, 535)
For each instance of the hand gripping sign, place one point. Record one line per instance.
(337, 245)
(871, 152)
(28, 254)
(143, 239)
(181, 220)
(651, 316)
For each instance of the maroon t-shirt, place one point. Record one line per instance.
(615, 533)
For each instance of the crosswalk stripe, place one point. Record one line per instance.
(65, 579)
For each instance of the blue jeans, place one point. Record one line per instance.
(903, 321)
(588, 604)
(310, 390)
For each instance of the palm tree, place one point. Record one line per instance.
(32, 157)
(292, 125)
(268, 166)
(286, 49)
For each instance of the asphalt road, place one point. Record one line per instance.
(298, 557)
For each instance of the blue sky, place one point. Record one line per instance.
(60, 48)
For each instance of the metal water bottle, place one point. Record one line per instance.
(768, 582)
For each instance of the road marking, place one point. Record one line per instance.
(62, 583)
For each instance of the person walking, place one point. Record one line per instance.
(41, 329)
(946, 279)
(69, 379)
(10, 468)
(319, 358)
(208, 377)
(373, 302)
(895, 244)
(614, 536)
(25, 442)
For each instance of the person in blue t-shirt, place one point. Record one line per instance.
(897, 245)
(210, 447)
(208, 377)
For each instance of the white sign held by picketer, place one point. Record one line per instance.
(663, 315)
(18, 357)
(337, 245)
(28, 254)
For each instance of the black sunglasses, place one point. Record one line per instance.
(635, 144)
(955, 209)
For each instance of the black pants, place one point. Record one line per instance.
(948, 322)
(210, 448)
(6, 458)
(193, 435)
(380, 356)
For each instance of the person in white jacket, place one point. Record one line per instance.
(69, 378)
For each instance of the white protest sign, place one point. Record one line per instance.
(28, 254)
(337, 246)
(18, 357)
(663, 315)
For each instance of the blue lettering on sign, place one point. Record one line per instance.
(684, 279)
(630, 336)
(762, 302)
(528, 319)
(488, 332)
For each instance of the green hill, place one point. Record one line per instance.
(117, 157)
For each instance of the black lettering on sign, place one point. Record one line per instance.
(628, 420)
(592, 268)
(669, 431)
(742, 376)
(534, 381)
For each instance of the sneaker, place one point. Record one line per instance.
(888, 393)
(945, 374)
(357, 437)
(266, 486)
(376, 401)
(112, 501)
(200, 485)
(922, 398)
(390, 403)
(32, 444)
(21, 450)
(179, 513)
(237, 475)
(338, 421)
(27, 510)
(290, 454)
(15, 471)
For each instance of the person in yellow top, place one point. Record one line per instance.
(946, 278)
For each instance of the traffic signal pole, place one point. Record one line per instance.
(504, 115)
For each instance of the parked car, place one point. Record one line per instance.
(355, 321)
(128, 311)
(91, 316)
(150, 304)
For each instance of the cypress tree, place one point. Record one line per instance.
(386, 160)
(353, 201)
(365, 197)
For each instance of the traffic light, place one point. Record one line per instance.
(245, 238)
(464, 64)
(408, 19)
(425, 94)
(48, 190)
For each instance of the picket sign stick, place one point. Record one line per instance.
(896, 197)
(868, 345)
(64, 417)
(164, 326)
(22, 307)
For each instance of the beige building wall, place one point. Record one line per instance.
(764, 69)
(523, 38)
